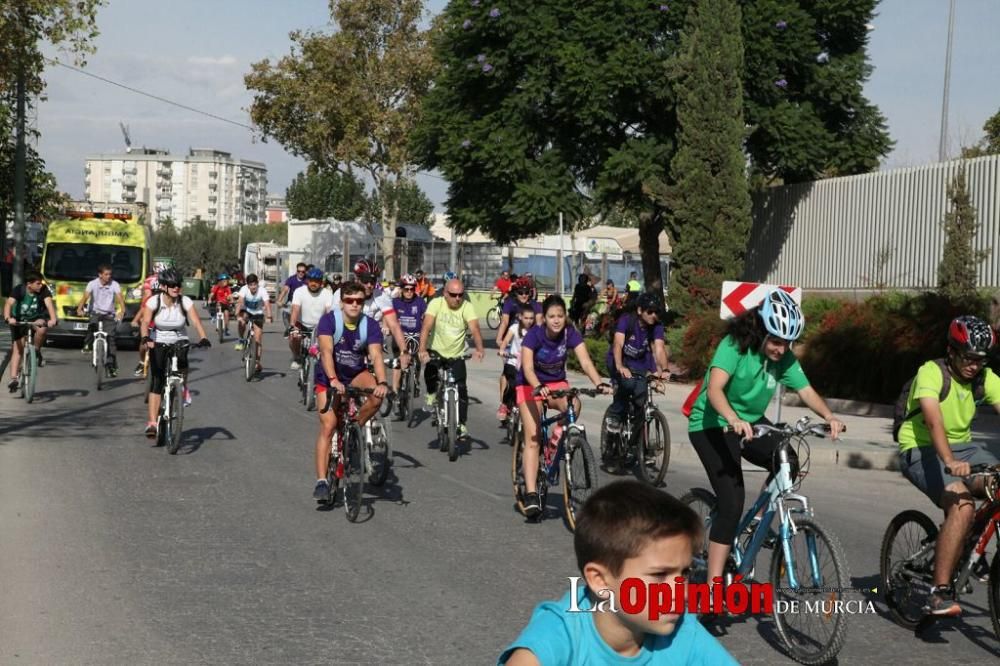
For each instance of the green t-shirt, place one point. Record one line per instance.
(633, 285)
(753, 379)
(28, 306)
(957, 409)
(450, 327)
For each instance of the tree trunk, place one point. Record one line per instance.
(389, 213)
(650, 226)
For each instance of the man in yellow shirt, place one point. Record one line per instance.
(450, 318)
(936, 449)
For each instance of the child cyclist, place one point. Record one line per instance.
(410, 310)
(626, 530)
(345, 361)
(543, 367)
(221, 295)
(510, 349)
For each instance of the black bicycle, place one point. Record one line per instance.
(643, 440)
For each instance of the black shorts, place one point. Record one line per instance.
(255, 319)
(17, 331)
(158, 365)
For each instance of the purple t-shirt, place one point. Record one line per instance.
(293, 283)
(410, 313)
(550, 355)
(512, 306)
(350, 356)
(637, 353)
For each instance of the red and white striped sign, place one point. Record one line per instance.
(738, 297)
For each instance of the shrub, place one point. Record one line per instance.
(598, 349)
(702, 334)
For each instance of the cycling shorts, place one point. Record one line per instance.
(922, 467)
(255, 319)
(525, 393)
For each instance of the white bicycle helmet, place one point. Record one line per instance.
(782, 315)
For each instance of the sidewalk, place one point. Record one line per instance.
(867, 444)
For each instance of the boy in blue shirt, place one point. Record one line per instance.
(625, 530)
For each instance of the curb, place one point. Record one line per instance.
(854, 454)
(841, 406)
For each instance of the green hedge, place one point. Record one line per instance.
(598, 349)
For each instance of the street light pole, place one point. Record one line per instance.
(943, 139)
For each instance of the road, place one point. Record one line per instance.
(112, 551)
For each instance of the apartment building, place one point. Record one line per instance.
(205, 184)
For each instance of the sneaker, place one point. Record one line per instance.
(12, 385)
(151, 429)
(41, 359)
(187, 397)
(463, 431)
(614, 426)
(941, 602)
(138, 371)
(85, 349)
(238, 346)
(532, 507)
(295, 365)
(321, 493)
(112, 371)
(502, 413)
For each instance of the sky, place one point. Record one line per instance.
(196, 52)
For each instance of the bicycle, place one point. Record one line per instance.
(361, 457)
(170, 420)
(807, 559)
(251, 357)
(906, 561)
(29, 362)
(307, 363)
(409, 380)
(495, 314)
(220, 321)
(642, 439)
(446, 404)
(580, 478)
(99, 353)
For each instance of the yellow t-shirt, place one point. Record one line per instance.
(957, 409)
(450, 327)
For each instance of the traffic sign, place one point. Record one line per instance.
(738, 297)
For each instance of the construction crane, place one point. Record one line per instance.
(128, 137)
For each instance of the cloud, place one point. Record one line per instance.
(224, 61)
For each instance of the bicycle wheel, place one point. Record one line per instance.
(580, 478)
(354, 472)
(220, 327)
(100, 358)
(331, 477)
(493, 318)
(906, 564)
(704, 504)
(452, 408)
(310, 386)
(442, 422)
(29, 372)
(654, 449)
(149, 377)
(404, 395)
(379, 454)
(610, 447)
(175, 419)
(994, 593)
(513, 433)
(250, 358)
(820, 568)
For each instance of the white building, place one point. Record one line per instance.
(207, 184)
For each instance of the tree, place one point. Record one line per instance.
(709, 200)
(541, 108)
(325, 193)
(959, 261)
(413, 205)
(351, 99)
(989, 144)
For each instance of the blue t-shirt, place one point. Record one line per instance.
(559, 638)
(550, 355)
(410, 313)
(637, 352)
(350, 356)
(293, 283)
(512, 306)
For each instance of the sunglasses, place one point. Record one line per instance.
(409, 288)
(352, 300)
(301, 272)
(458, 295)
(969, 359)
(171, 285)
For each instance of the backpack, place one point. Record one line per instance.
(338, 330)
(180, 300)
(899, 413)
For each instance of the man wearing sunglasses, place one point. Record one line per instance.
(936, 449)
(450, 318)
(378, 305)
(294, 281)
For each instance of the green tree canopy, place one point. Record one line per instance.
(990, 143)
(323, 193)
(413, 205)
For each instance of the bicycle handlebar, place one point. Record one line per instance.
(36, 324)
(353, 392)
(979, 469)
(801, 427)
(570, 392)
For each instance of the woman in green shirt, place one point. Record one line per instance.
(748, 364)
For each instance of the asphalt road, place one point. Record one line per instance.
(112, 551)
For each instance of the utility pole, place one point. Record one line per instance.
(943, 139)
(20, 160)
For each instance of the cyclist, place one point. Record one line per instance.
(510, 350)
(345, 361)
(543, 367)
(252, 306)
(222, 295)
(938, 437)
(450, 318)
(335, 282)
(410, 312)
(530, 279)
(425, 289)
(378, 306)
(150, 286)
(749, 362)
(638, 347)
(503, 284)
(309, 304)
(30, 301)
(170, 311)
(104, 294)
(520, 294)
(294, 281)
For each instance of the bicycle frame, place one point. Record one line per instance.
(552, 468)
(99, 334)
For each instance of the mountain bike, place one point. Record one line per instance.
(307, 364)
(29, 361)
(808, 565)
(495, 314)
(644, 438)
(99, 352)
(170, 420)
(409, 380)
(357, 453)
(446, 404)
(580, 476)
(907, 558)
(251, 349)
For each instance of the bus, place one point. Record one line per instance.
(94, 234)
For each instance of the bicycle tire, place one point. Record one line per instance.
(442, 425)
(379, 455)
(517, 476)
(580, 478)
(652, 472)
(513, 432)
(220, 327)
(249, 359)
(149, 380)
(899, 544)
(331, 477)
(354, 473)
(993, 590)
(29, 371)
(176, 418)
(493, 318)
(704, 504)
(452, 407)
(310, 397)
(6, 361)
(801, 647)
(610, 449)
(100, 358)
(404, 395)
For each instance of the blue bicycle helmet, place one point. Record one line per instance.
(782, 315)
(222, 276)
(450, 275)
(314, 274)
